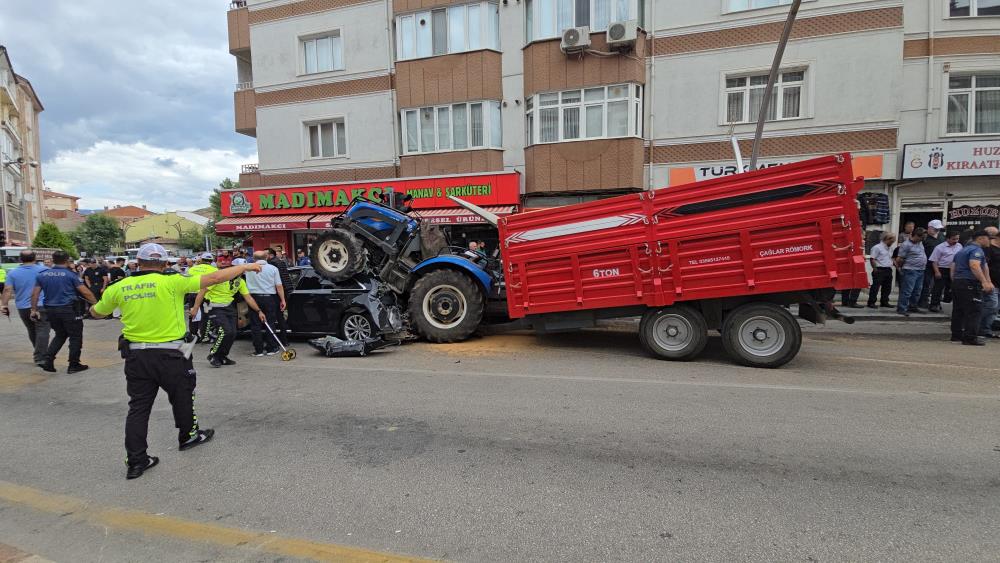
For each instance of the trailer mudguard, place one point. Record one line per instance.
(460, 263)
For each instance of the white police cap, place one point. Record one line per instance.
(152, 252)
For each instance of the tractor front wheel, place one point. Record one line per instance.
(338, 255)
(446, 306)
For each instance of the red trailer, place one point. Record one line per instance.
(729, 254)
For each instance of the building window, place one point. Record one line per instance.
(455, 29)
(550, 18)
(974, 104)
(327, 139)
(590, 113)
(966, 8)
(741, 5)
(453, 127)
(744, 95)
(323, 53)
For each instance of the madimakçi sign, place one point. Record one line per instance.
(428, 193)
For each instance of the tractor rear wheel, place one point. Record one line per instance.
(446, 306)
(338, 255)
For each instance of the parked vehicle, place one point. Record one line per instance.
(10, 256)
(445, 288)
(354, 309)
(729, 254)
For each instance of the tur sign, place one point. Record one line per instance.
(428, 193)
(945, 160)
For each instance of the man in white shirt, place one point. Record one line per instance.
(266, 289)
(941, 260)
(881, 259)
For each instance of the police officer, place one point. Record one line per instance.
(154, 336)
(62, 288)
(970, 280)
(222, 310)
(200, 326)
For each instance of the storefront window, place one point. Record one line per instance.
(454, 29)
(973, 104)
(474, 125)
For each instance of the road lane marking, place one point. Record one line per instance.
(909, 363)
(213, 534)
(716, 384)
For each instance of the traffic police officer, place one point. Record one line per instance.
(155, 346)
(222, 310)
(200, 326)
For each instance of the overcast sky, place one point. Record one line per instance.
(138, 97)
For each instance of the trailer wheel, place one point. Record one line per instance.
(673, 333)
(761, 335)
(446, 306)
(338, 255)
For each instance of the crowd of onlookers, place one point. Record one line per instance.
(932, 266)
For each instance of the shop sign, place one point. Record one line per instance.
(946, 160)
(973, 216)
(428, 193)
(868, 166)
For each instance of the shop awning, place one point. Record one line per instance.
(321, 221)
(459, 216)
(271, 223)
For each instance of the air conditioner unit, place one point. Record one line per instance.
(622, 35)
(575, 40)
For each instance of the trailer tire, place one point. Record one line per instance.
(674, 333)
(761, 335)
(338, 255)
(446, 306)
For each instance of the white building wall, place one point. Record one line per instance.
(276, 46)
(283, 146)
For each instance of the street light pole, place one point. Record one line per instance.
(765, 104)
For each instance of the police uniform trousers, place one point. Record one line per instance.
(224, 325)
(146, 372)
(967, 309)
(66, 323)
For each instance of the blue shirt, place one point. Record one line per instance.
(22, 279)
(913, 255)
(305, 261)
(59, 285)
(968, 254)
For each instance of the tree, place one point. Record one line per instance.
(97, 235)
(215, 200)
(49, 236)
(192, 239)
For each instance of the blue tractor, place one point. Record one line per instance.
(445, 288)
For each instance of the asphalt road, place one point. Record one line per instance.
(877, 446)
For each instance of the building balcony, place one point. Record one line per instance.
(245, 109)
(250, 176)
(582, 166)
(238, 19)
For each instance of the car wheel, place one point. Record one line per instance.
(356, 326)
(446, 306)
(761, 335)
(338, 255)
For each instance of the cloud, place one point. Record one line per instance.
(165, 179)
(128, 72)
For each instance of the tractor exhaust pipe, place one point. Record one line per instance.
(490, 218)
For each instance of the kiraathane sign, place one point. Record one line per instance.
(946, 160)
(428, 193)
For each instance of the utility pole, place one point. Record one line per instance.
(765, 104)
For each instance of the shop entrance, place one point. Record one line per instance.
(920, 218)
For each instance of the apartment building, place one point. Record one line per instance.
(20, 172)
(583, 99)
